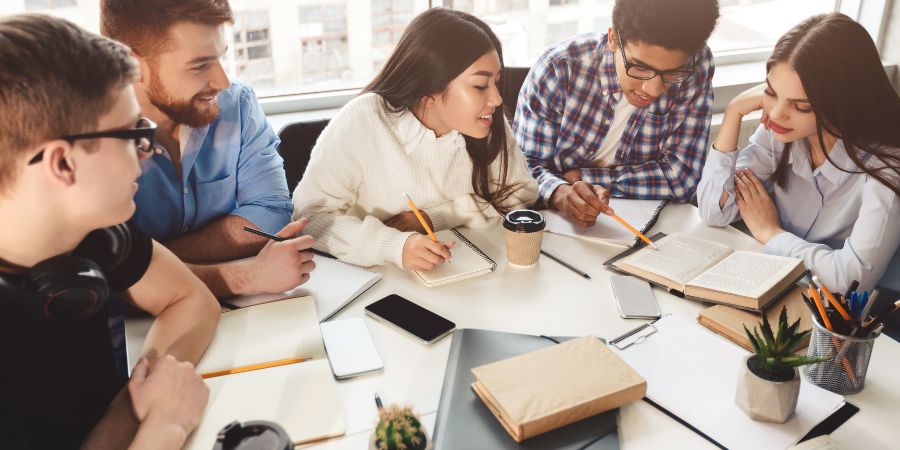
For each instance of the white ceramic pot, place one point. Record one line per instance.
(764, 400)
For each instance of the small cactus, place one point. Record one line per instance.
(398, 429)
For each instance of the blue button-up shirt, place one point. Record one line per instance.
(566, 107)
(230, 166)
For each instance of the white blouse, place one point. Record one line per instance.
(845, 226)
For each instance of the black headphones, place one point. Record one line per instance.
(72, 287)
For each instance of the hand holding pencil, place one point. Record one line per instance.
(422, 252)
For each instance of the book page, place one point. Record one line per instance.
(636, 212)
(679, 258)
(302, 398)
(746, 273)
(258, 334)
(464, 263)
(333, 284)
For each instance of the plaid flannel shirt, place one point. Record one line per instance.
(565, 109)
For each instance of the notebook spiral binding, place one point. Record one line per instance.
(474, 248)
(652, 221)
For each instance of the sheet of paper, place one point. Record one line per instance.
(679, 258)
(693, 373)
(465, 263)
(636, 212)
(263, 333)
(333, 284)
(302, 398)
(746, 273)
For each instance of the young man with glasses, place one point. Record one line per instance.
(624, 114)
(70, 148)
(216, 168)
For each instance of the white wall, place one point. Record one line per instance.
(891, 45)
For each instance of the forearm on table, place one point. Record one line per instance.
(219, 241)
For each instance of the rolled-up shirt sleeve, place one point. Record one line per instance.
(262, 192)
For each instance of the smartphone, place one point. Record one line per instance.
(350, 349)
(634, 297)
(410, 318)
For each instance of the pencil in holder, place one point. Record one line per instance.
(845, 372)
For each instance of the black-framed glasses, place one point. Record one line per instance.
(143, 134)
(641, 72)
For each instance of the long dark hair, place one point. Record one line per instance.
(436, 47)
(849, 93)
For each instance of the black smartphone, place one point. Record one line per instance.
(410, 318)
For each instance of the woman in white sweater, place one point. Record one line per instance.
(430, 125)
(828, 148)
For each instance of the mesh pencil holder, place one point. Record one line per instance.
(845, 372)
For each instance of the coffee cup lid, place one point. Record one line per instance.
(524, 221)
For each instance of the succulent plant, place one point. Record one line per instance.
(398, 429)
(776, 350)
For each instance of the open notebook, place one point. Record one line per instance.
(334, 285)
(301, 397)
(693, 374)
(467, 261)
(710, 271)
(641, 214)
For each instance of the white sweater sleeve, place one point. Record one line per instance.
(328, 190)
(471, 211)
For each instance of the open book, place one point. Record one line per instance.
(641, 214)
(301, 397)
(714, 272)
(334, 285)
(467, 261)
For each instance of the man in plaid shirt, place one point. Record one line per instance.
(597, 118)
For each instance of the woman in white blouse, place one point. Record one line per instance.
(827, 148)
(430, 125)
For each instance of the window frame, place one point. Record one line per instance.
(741, 68)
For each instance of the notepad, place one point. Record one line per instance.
(710, 271)
(552, 387)
(301, 397)
(334, 284)
(467, 261)
(641, 214)
(693, 374)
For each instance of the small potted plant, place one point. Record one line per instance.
(398, 429)
(769, 383)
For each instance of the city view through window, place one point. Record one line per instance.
(286, 47)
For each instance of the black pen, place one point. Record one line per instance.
(280, 239)
(567, 265)
(378, 402)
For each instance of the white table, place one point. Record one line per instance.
(550, 299)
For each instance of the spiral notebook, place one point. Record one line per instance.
(642, 214)
(467, 261)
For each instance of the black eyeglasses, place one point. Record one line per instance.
(143, 134)
(640, 72)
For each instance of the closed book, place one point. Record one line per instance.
(464, 422)
(546, 389)
(730, 322)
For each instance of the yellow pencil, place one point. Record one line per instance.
(266, 365)
(833, 301)
(635, 231)
(419, 216)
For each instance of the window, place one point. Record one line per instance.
(38, 5)
(318, 46)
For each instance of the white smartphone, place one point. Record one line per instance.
(350, 349)
(634, 297)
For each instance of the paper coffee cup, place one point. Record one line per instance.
(524, 230)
